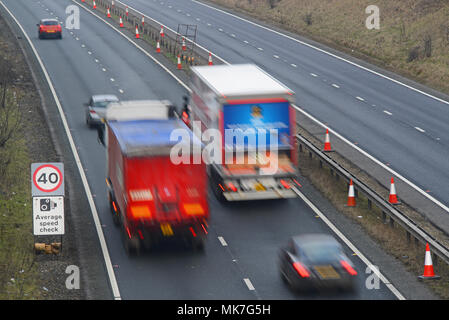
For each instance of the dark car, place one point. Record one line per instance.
(316, 261)
(96, 108)
(49, 28)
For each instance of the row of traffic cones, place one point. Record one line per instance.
(392, 199)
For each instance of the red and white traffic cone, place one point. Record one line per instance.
(137, 33)
(108, 13)
(184, 48)
(393, 199)
(94, 5)
(179, 62)
(143, 21)
(158, 47)
(428, 266)
(327, 143)
(351, 195)
(210, 59)
(126, 11)
(161, 33)
(121, 22)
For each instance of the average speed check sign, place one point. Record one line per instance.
(47, 179)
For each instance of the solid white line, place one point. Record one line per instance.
(104, 247)
(249, 284)
(366, 154)
(388, 112)
(326, 52)
(136, 45)
(167, 28)
(360, 98)
(349, 244)
(222, 241)
(419, 129)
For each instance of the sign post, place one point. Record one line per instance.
(47, 190)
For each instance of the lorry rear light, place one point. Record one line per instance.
(302, 271)
(232, 187)
(285, 184)
(193, 209)
(114, 206)
(205, 231)
(297, 183)
(193, 232)
(140, 234)
(221, 187)
(140, 212)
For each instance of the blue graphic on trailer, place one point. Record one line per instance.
(246, 125)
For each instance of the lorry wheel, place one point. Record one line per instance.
(115, 215)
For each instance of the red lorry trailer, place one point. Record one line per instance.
(150, 197)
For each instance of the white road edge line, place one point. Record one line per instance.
(326, 52)
(249, 284)
(167, 28)
(104, 247)
(349, 244)
(136, 45)
(366, 154)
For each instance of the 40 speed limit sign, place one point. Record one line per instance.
(47, 179)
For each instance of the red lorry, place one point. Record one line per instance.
(151, 197)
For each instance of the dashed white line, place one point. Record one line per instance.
(112, 79)
(188, 14)
(388, 112)
(360, 98)
(220, 29)
(89, 52)
(276, 56)
(335, 85)
(313, 75)
(121, 91)
(233, 35)
(83, 46)
(208, 24)
(245, 41)
(260, 49)
(96, 60)
(294, 65)
(77, 39)
(222, 241)
(420, 130)
(249, 284)
(104, 70)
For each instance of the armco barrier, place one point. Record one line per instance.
(170, 43)
(395, 216)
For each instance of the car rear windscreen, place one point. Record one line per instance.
(50, 23)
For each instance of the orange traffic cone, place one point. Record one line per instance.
(121, 22)
(143, 20)
(158, 47)
(184, 44)
(161, 33)
(210, 59)
(137, 33)
(351, 195)
(327, 143)
(428, 266)
(108, 13)
(179, 62)
(126, 11)
(393, 199)
(94, 5)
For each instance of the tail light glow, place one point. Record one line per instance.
(302, 271)
(193, 232)
(348, 268)
(232, 187)
(285, 184)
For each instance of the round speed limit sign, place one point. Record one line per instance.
(48, 179)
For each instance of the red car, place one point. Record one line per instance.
(49, 28)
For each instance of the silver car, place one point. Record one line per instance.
(96, 108)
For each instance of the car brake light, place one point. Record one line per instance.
(285, 184)
(302, 271)
(348, 268)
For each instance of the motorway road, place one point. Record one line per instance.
(393, 123)
(96, 59)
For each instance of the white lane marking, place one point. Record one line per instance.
(167, 28)
(326, 52)
(276, 56)
(245, 41)
(313, 75)
(188, 14)
(170, 7)
(222, 241)
(104, 247)
(335, 85)
(388, 112)
(77, 39)
(198, 19)
(232, 35)
(89, 52)
(369, 156)
(220, 29)
(104, 70)
(349, 244)
(112, 79)
(420, 130)
(249, 284)
(360, 98)
(83, 46)
(136, 45)
(260, 49)
(293, 65)
(96, 60)
(208, 24)
(121, 91)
